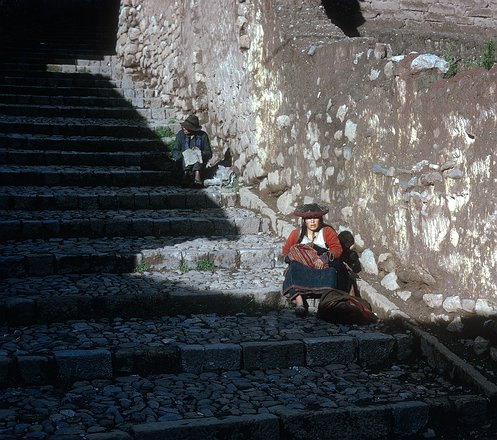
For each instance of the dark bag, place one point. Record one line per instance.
(339, 307)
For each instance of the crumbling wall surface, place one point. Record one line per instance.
(440, 15)
(402, 156)
(424, 176)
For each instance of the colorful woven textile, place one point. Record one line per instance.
(304, 254)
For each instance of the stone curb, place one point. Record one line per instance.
(72, 365)
(256, 427)
(126, 262)
(29, 311)
(57, 177)
(140, 224)
(156, 198)
(94, 144)
(370, 422)
(448, 363)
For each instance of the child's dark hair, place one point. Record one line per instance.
(346, 239)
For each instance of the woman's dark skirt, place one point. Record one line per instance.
(308, 282)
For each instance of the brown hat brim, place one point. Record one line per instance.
(317, 214)
(191, 127)
(310, 210)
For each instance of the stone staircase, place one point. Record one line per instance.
(131, 308)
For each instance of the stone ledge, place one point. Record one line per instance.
(79, 364)
(350, 423)
(256, 427)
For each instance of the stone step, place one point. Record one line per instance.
(40, 157)
(13, 175)
(60, 298)
(23, 225)
(25, 66)
(123, 112)
(131, 254)
(54, 79)
(53, 57)
(80, 143)
(63, 101)
(70, 45)
(190, 343)
(82, 198)
(106, 92)
(63, 126)
(346, 400)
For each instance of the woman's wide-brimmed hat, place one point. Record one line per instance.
(311, 210)
(192, 123)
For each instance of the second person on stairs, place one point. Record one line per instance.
(192, 149)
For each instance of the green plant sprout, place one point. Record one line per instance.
(206, 264)
(141, 267)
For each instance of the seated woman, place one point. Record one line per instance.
(313, 254)
(192, 149)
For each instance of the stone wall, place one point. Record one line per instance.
(448, 26)
(466, 16)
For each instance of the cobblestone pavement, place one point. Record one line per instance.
(103, 405)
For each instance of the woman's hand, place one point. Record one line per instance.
(319, 264)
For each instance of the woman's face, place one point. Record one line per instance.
(312, 223)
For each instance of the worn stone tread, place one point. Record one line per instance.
(22, 225)
(33, 110)
(65, 126)
(55, 78)
(80, 143)
(50, 100)
(60, 91)
(82, 175)
(295, 402)
(124, 254)
(198, 289)
(193, 344)
(108, 197)
(17, 156)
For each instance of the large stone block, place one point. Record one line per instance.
(409, 417)
(148, 360)
(72, 264)
(471, 410)
(36, 370)
(342, 423)
(200, 226)
(250, 427)
(266, 355)
(224, 258)
(112, 435)
(375, 349)
(73, 365)
(248, 226)
(330, 350)
(40, 264)
(224, 357)
(197, 358)
(7, 373)
(20, 310)
(257, 258)
(11, 266)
